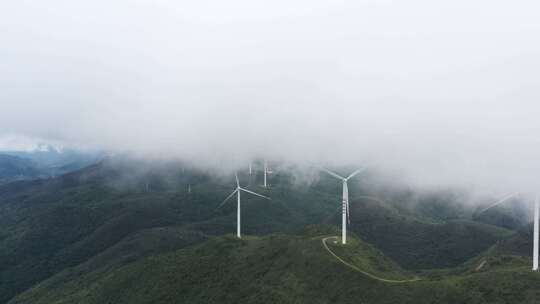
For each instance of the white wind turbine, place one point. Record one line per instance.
(345, 201)
(535, 233)
(237, 192)
(265, 172)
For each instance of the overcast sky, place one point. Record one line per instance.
(442, 92)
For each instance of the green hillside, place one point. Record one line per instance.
(275, 269)
(512, 214)
(417, 244)
(48, 225)
(117, 212)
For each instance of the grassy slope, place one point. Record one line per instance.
(128, 250)
(415, 243)
(367, 258)
(48, 226)
(274, 269)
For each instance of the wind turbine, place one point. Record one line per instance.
(345, 201)
(535, 233)
(237, 192)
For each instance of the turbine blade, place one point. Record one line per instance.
(354, 173)
(332, 173)
(257, 194)
(237, 182)
(228, 197)
(497, 203)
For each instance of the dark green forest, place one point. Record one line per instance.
(126, 232)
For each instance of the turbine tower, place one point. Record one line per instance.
(535, 233)
(237, 192)
(265, 172)
(344, 202)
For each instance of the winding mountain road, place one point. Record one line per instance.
(372, 276)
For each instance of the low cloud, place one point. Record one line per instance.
(435, 93)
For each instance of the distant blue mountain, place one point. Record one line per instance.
(45, 161)
(17, 168)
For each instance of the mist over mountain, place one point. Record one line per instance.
(436, 93)
(247, 151)
(87, 225)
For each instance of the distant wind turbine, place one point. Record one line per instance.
(345, 201)
(237, 192)
(535, 233)
(265, 172)
(250, 171)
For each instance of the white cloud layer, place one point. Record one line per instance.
(443, 92)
